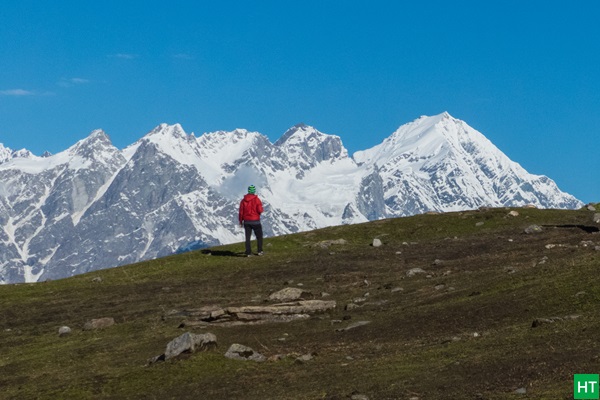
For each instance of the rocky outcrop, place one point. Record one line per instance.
(244, 315)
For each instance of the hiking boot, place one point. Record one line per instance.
(260, 253)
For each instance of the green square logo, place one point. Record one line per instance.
(585, 386)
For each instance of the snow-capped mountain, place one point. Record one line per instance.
(94, 206)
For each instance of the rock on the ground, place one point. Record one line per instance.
(99, 323)
(64, 331)
(290, 294)
(244, 353)
(533, 229)
(377, 243)
(189, 343)
(415, 271)
(353, 326)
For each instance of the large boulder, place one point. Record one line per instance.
(190, 343)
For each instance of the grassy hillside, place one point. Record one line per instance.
(461, 330)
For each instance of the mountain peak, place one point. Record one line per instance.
(97, 139)
(300, 132)
(7, 154)
(166, 130)
(307, 142)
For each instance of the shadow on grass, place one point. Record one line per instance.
(224, 253)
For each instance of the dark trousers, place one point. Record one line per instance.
(257, 228)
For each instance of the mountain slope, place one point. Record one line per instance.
(95, 206)
(494, 311)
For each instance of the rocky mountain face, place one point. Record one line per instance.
(94, 206)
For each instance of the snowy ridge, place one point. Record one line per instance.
(94, 206)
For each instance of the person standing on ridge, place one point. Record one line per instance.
(250, 209)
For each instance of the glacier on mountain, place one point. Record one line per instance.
(94, 206)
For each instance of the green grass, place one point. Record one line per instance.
(470, 338)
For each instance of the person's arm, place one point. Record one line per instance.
(259, 206)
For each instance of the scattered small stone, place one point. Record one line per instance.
(100, 323)
(438, 262)
(290, 294)
(579, 294)
(377, 243)
(480, 223)
(414, 271)
(542, 321)
(591, 207)
(359, 397)
(359, 300)
(398, 252)
(530, 206)
(276, 357)
(336, 321)
(244, 353)
(325, 294)
(64, 331)
(476, 334)
(326, 243)
(533, 229)
(513, 213)
(397, 289)
(304, 358)
(353, 326)
(597, 218)
(439, 287)
(97, 279)
(351, 306)
(521, 391)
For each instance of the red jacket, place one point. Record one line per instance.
(250, 208)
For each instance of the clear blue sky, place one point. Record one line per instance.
(524, 73)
